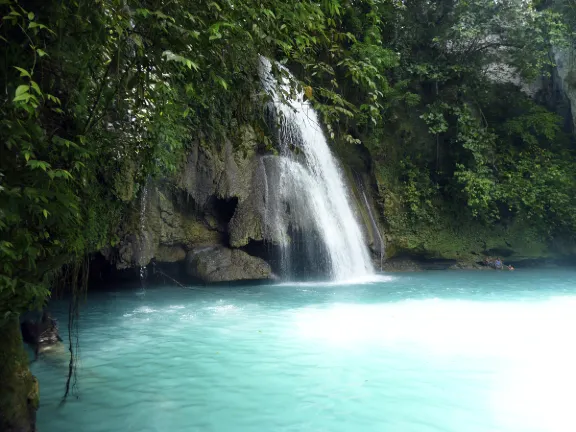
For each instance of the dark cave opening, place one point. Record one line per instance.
(223, 209)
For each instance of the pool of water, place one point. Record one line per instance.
(434, 351)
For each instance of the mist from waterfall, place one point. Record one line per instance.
(309, 195)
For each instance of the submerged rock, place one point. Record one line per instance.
(221, 264)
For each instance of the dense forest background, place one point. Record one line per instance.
(448, 105)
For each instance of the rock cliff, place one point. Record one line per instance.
(187, 219)
(565, 59)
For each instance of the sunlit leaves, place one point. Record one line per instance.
(170, 56)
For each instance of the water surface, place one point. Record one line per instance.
(434, 351)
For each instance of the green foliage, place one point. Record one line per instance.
(459, 140)
(417, 192)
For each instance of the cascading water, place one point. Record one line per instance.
(143, 204)
(310, 193)
(375, 229)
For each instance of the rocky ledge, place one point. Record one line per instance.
(221, 264)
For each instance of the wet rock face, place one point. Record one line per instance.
(565, 59)
(175, 216)
(248, 220)
(222, 171)
(170, 228)
(221, 264)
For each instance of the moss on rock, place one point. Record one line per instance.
(221, 264)
(19, 395)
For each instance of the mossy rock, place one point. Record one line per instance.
(221, 264)
(19, 394)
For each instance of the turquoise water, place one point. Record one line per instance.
(435, 351)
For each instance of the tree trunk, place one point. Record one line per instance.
(18, 387)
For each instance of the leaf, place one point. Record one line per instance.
(53, 99)
(34, 24)
(23, 72)
(33, 163)
(22, 89)
(137, 40)
(170, 56)
(215, 6)
(45, 213)
(23, 97)
(78, 165)
(41, 52)
(30, 16)
(63, 174)
(191, 65)
(36, 88)
(221, 81)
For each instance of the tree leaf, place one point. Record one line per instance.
(36, 88)
(34, 164)
(22, 89)
(23, 97)
(23, 72)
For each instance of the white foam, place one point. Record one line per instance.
(145, 310)
(368, 279)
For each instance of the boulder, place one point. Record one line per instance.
(170, 254)
(221, 264)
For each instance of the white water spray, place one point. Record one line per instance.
(376, 231)
(143, 205)
(311, 186)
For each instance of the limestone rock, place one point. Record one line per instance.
(164, 231)
(222, 170)
(565, 59)
(221, 264)
(247, 222)
(170, 254)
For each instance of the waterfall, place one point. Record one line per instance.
(309, 194)
(142, 243)
(375, 228)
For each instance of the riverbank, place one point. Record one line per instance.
(415, 264)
